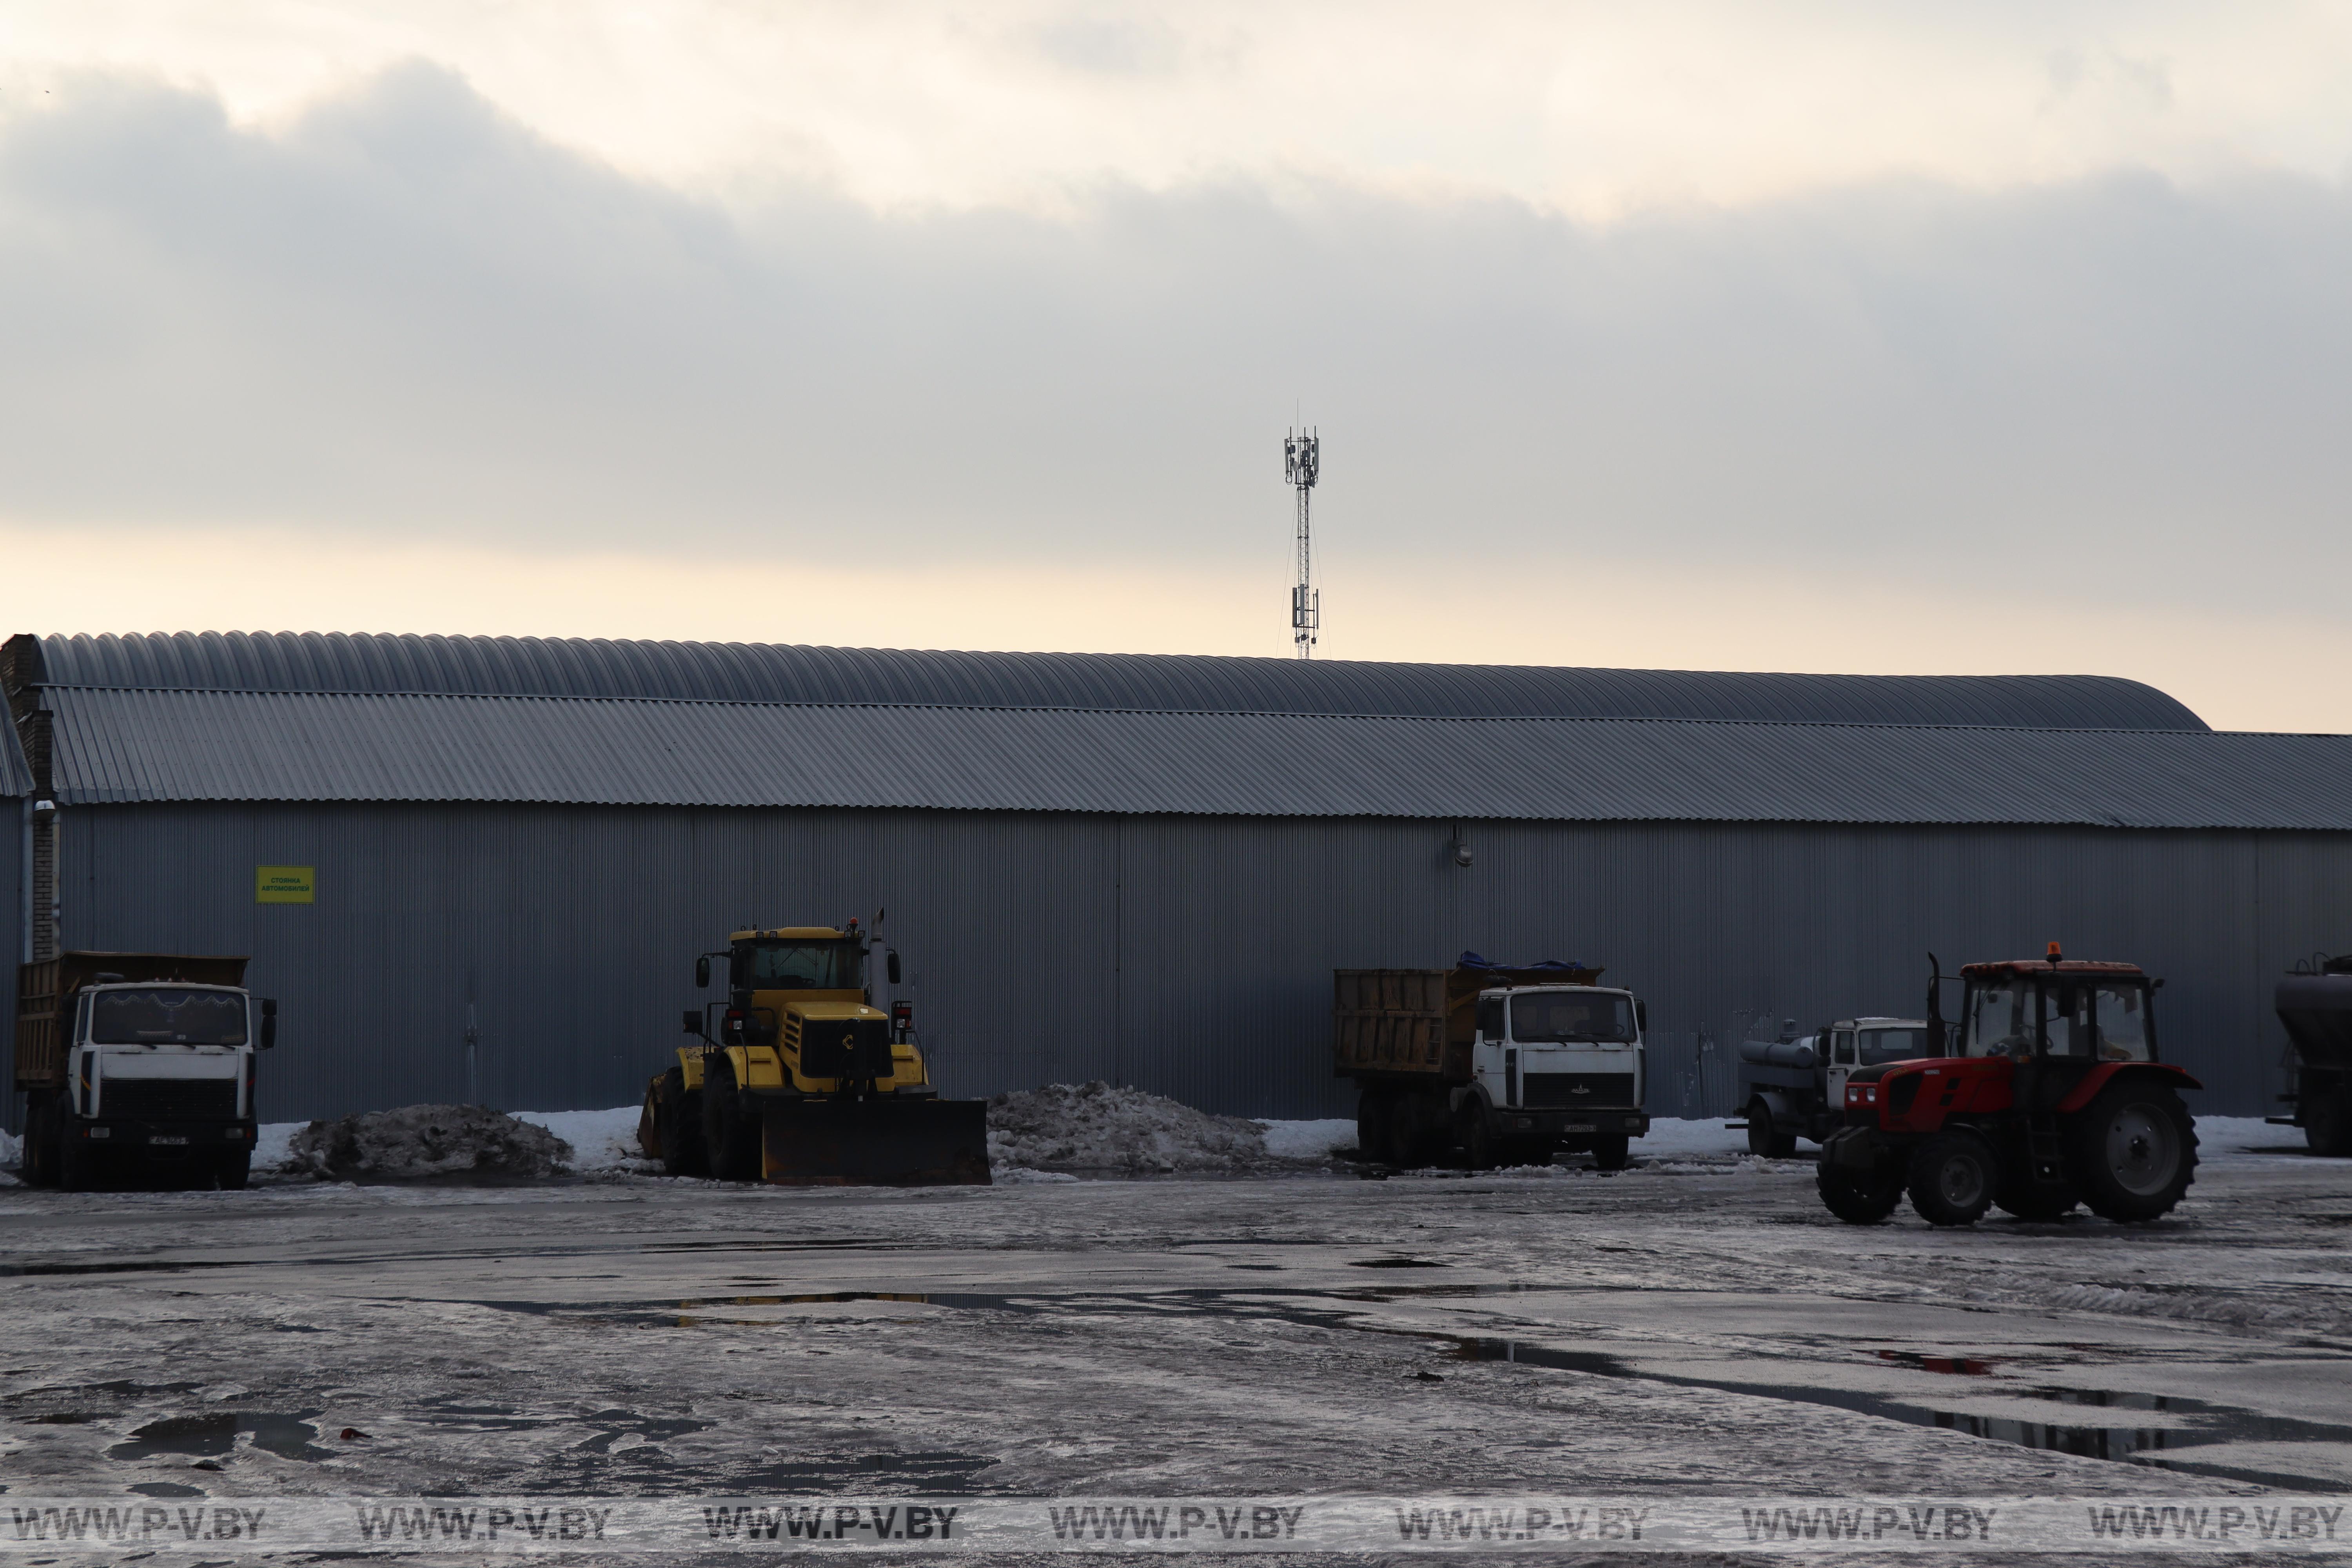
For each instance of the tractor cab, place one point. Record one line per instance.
(2058, 1010)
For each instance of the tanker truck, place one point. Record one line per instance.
(1795, 1087)
(2314, 1004)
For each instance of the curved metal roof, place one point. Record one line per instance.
(117, 746)
(782, 673)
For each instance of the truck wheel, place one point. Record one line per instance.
(1372, 1127)
(2032, 1201)
(2132, 1150)
(731, 1127)
(1413, 1128)
(77, 1165)
(234, 1172)
(1952, 1178)
(40, 1158)
(2327, 1122)
(1766, 1140)
(1857, 1197)
(681, 1125)
(1611, 1154)
(1481, 1150)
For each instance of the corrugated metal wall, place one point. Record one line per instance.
(1190, 955)
(12, 871)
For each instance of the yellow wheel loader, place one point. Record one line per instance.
(802, 1081)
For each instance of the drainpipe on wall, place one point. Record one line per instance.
(25, 882)
(42, 875)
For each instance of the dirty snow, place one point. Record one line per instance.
(423, 1140)
(1308, 1140)
(1096, 1128)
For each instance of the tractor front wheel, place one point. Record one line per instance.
(1952, 1178)
(678, 1114)
(2132, 1150)
(1857, 1197)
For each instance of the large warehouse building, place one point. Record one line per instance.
(483, 867)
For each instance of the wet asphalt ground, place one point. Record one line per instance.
(1694, 1327)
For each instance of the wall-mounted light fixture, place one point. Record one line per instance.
(1461, 856)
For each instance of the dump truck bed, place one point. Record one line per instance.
(1418, 1022)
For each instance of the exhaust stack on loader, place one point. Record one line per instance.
(804, 1082)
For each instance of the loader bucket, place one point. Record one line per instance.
(880, 1143)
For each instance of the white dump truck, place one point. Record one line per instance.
(137, 1069)
(1508, 1065)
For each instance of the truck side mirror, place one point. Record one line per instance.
(702, 973)
(268, 1023)
(1641, 1017)
(693, 1022)
(890, 966)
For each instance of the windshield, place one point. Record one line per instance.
(1555, 1015)
(2109, 1022)
(2001, 1019)
(799, 966)
(1893, 1046)
(167, 1016)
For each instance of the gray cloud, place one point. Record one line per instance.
(405, 315)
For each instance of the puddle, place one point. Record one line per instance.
(211, 1436)
(941, 1474)
(167, 1488)
(1392, 1263)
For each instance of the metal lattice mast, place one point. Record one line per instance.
(1302, 462)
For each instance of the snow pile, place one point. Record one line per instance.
(1094, 1127)
(600, 1139)
(1317, 1141)
(12, 1149)
(273, 1144)
(420, 1141)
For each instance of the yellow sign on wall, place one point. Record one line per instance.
(284, 885)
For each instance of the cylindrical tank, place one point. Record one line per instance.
(1797, 1053)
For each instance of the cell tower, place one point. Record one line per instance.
(1302, 462)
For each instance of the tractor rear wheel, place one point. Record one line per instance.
(731, 1125)
(679, 1112)
(1857, 1197)
(1766, 1140)
(1952, 1178)
(1372, 1126)
(2132, 1150)
(2328, 1121)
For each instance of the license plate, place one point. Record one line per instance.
(167, 1140)
(1580, 1127)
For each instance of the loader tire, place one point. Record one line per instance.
(2327, 1122)
(1857, 1197)
(681, 1125)
(1952, 1177)
(2132, 1150)
(1372, 1126)
(731, 1125)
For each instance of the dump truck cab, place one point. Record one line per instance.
(1554, 1066)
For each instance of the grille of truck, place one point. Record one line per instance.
(168, 1099)
(858, 1048)
(1575, 1089)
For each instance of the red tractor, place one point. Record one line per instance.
(2052, 1096)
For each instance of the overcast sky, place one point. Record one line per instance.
(1862, 337)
